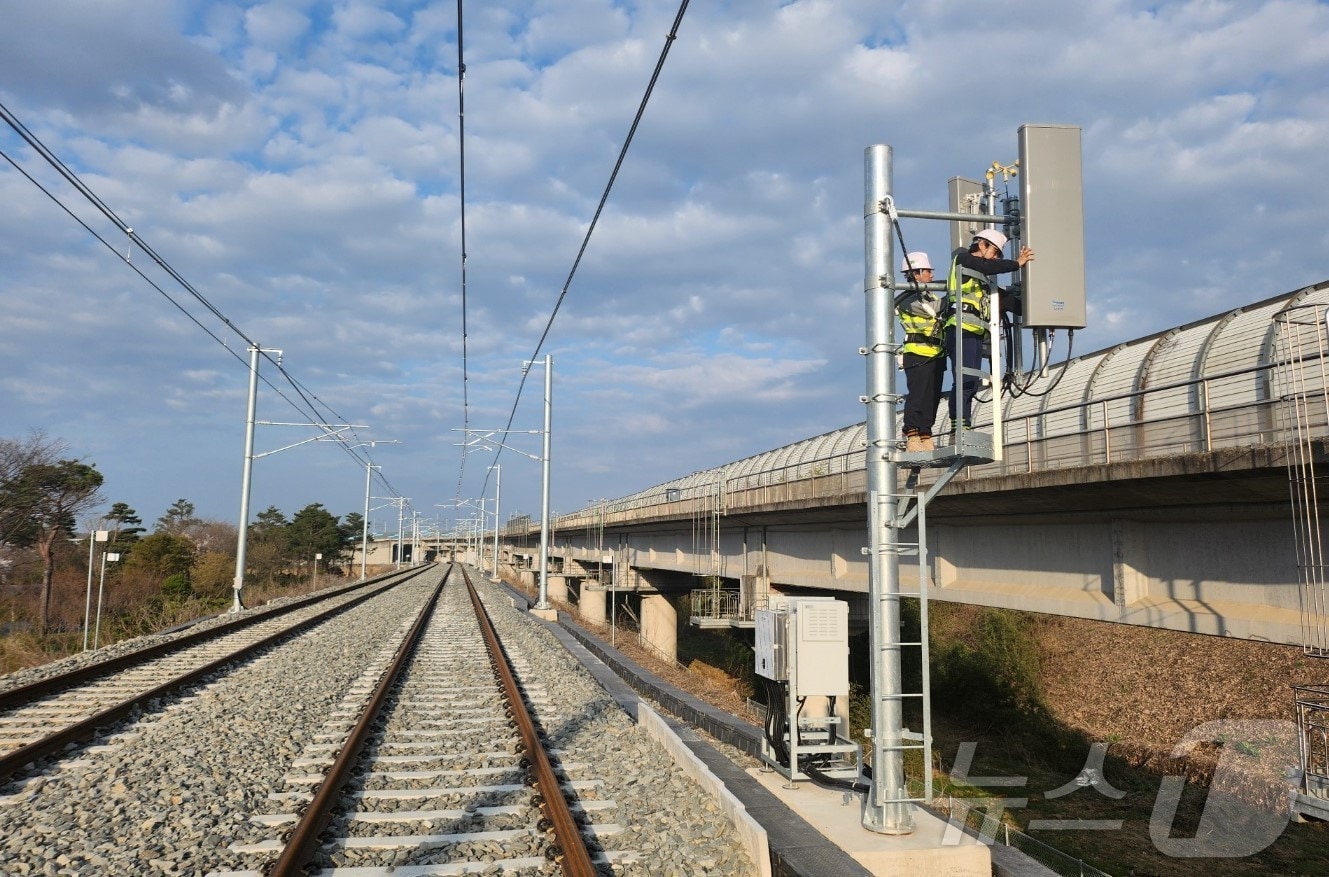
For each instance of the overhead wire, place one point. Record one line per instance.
(590, 230)
(310, 409)
(461, 175)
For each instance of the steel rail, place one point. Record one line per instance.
(12, 762)
(570, 845)
(304, 840)
(63, 681)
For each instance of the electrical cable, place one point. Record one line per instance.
(70, 177)
(166, 295)
(1070, 349)
(461, 174)
(812, 768)
(73, 179)
(586, 239)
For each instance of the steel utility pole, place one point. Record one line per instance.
(886, 808)
(239, 585)
(543, 602)
(498, 492)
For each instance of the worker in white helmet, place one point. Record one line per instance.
(923, 355)
(970, 284)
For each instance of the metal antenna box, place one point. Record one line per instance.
(1052, 204)
(965, 196)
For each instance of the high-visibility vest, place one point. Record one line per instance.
(969, 301)
(920, 315)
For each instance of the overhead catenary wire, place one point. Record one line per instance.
(73, 179)
(595, 218)
(309, 409)
(461, 187)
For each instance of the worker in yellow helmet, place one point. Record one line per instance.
(923, 358)
(970, 284)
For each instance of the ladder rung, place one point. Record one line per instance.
(902, 800)
(902, 747)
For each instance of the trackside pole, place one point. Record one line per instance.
(543, 602)
(239, 585)
(886, 808)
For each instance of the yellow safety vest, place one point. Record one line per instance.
(920, 315)
(970, 290)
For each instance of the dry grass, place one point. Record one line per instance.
(132, 607)
(1117, 682)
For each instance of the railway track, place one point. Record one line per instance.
(377, 740)
(435, 765)
(45, 717)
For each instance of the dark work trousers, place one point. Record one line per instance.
(971, 346)
(923, 376)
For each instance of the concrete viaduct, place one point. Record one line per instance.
(1150, 486)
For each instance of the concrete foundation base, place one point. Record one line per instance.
(558, 589)
(546, 614)
(929, 851)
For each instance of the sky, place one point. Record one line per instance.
(299, 165)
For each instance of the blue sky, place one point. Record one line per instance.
(298, 163)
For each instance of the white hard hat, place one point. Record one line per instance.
(915, 262)
(992, 236)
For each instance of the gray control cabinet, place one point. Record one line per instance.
(1052, 203)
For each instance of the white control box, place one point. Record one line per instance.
(808, 638)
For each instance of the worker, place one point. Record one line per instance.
(924, 358)
(970, 287)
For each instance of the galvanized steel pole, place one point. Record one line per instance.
(401, 514)
(87, 601)
(543, 602)
(241, 540)
(364, 524)
(885, 809)
(498, 493)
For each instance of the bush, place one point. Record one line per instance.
(993, 668)
(213, 575)
(176, 587)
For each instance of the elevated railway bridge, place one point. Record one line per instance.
(1149, 484)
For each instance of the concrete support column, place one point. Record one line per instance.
(558, 589)
(527, 579)
(659, 624)
(1129, 585)
(591, 605)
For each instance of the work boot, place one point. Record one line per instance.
(913, 443)
(925, 443)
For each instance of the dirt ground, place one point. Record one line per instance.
(1117, 682)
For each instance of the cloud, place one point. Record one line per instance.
(300, 165)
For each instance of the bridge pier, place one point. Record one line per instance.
(659, 625)
(591, 604)
(557, 589)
